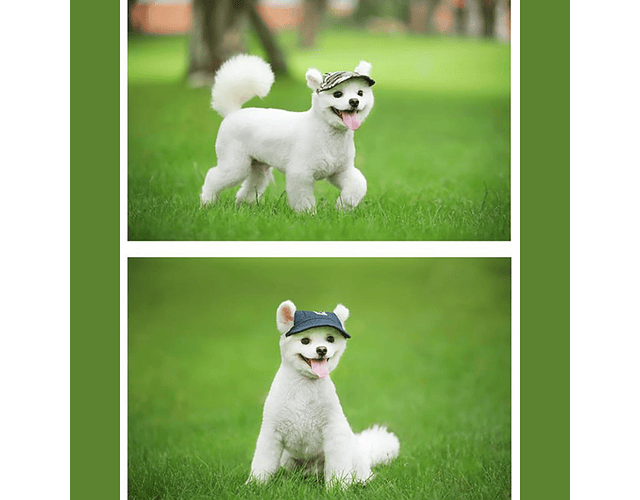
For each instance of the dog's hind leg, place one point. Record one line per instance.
(312, 467)
(231, 171)
(287, 461)
(339, 452)
(352, 185)
(256, 183)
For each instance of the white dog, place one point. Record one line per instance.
(303, 424)
(306, 147)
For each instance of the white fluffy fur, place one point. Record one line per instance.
(238, 80)
(364, 68)
(303, 424)
(284, 316)
(314, 78)
(342, 313)
(307, 146)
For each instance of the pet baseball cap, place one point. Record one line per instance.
(303, 320)
(330, 80)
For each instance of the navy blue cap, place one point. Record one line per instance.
(303, 320)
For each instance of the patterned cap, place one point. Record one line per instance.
(303, 320)
(330, 80)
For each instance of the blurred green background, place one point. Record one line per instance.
(429, 357)
(448, 66)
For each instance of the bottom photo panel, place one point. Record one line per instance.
(319, 377)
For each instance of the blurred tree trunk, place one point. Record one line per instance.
(312, 13)
(418, 16)
(474, 18)
(404, 12)
(268, 41)
(488, 15)
(431, 11)
(216, 35)
(460, 18)
(421, 14)
(212, 40)
(130, 6)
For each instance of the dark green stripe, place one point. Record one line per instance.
(95, 323)
(545, 250)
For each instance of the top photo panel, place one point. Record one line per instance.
(279, 120)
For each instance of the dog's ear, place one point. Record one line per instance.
(364, 68)
(284, 316)
(314, 78)
(342, 313)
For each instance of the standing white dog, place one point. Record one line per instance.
(306, 147)
(303, 424)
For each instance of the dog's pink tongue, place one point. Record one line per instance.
(350, 120)
(319, 367)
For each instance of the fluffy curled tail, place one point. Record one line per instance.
(380, 445)
(238, 80)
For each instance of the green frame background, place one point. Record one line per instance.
(95, 249)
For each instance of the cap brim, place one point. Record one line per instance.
(366, 78)
(307, 325)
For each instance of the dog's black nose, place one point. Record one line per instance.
(354, 103)
(321, 351)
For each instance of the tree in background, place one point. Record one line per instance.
(423, 15)
(460, 17)
(312, 14)
(489, 17)
(130, 27)
(396, 9)
(216, 35)
(432, 6)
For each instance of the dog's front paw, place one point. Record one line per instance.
(353, 187)
(304, 205)
(349, 200)
(206, 199)
(346, 205)
(258, 478)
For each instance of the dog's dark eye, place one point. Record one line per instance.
(360, 93)
(330, 338)
(305, 341)
(337, 94)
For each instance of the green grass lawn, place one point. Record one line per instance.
(429, 357)
(435, 149)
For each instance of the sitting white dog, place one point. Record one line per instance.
(306, 147)
(303, 424)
